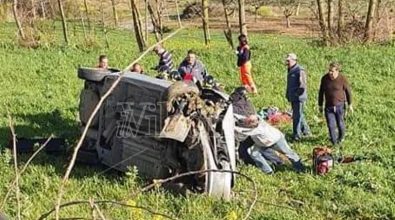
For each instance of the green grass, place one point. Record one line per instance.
(40, 89)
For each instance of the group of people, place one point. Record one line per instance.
(259, 141)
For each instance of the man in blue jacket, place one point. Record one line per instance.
(297, 95)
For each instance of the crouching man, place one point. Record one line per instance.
(265, 136)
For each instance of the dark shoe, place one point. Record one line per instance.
(298, 166)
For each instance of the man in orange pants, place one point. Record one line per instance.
(243, 61)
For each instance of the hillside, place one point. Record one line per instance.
(40, 89)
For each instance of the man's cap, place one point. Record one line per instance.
(291, 56)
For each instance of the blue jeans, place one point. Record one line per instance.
(280, 146)
(268, 153)
(300, 126)
(335, 121)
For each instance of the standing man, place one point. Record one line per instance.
(165, 60)
(336, 90)
(103, 62)
(297, 95)
(244, 63)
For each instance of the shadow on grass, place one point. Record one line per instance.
(42, 125)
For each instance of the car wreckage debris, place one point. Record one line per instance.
(162, 128)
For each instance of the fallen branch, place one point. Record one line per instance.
(95, 207)
(99, 104)
(161, 181)
(88, 202)
(150, 186)
(23, 170)
(16, 167)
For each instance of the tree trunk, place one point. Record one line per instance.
(340, 21)
(146, 20)
(52, 10)
(369, 20)
(87, 15)
(83, 26)
(137, 27)
(288, 13)
(242, 18)
(228, 32)
(376, 18)
(390, 27)
(154, 21)
(103, 24)
(256, 13)
(42, 9)
(114, 11)
(287, 18)
(178, 15)
(205, 22)
(297, 9)
(17, 21)
(64, 24)
(159, 7)
(330, 17)
(321, 19)
(33, 9)
(139, 22)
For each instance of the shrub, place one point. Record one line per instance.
(265, 11)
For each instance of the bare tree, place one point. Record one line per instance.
(369, 20)
(87, 15)
(17, 21)
(256, 4)
(104, 29)
(64, 23)
(42, 9)
(137, 26)
(178, 14)
(114, 11)
(340, 21)
(297, 9)
(146, 20)
(242, 18)
(33, 8)
(330, 17)
(205, 22)
(228, 31)
(83, 26)
(289, 8)
(156, 22)
(288, 12)
(321, 19)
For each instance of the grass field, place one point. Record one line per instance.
(40, 89)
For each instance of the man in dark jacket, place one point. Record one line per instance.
(336, 90)
(191, 67)
(296, 94)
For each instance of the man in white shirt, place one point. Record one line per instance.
(265, 136)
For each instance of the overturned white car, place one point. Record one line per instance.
(162, 128)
